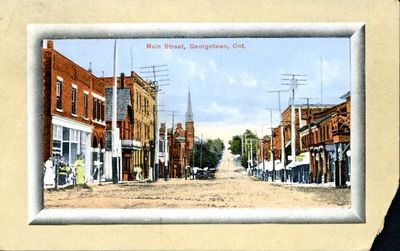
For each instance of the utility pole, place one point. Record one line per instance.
(115, 134)
(201, 151)
(156, 142)
(241, 144)
(262, 152)
(282, 132)
(272, 148)
(155, 84)
(293, 83)
(322, 101)
(308, 129)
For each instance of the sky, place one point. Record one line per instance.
(229, 86)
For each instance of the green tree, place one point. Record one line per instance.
(235, 145)
(208, 153)
(250, 141)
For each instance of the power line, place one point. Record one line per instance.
(294, 81)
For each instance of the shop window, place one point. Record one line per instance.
(57, 139)
(59, 94)
(82, 142)
(65, 151)
(65, 134)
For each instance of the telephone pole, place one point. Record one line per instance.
(293, 83)
(170, 143)
(155, 69)
(322, 100)
(309, 128)
(272, 148)
(282, 132)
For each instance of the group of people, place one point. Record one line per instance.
(56, 170)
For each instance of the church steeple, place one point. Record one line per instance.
(189, 113)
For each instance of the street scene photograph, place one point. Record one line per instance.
(196, 123)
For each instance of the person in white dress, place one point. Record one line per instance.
(49, 174)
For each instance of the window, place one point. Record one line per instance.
(98, 110)
(65, 145)
(59, 94)
(137, 101)
(85, 104)
(94, 114)
(69, 143)
(102, 111)
(73, 100)
(57, 139)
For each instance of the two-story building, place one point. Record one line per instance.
(73, 112)
(327, 138)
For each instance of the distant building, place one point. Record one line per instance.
(163, 155)
(181, 144)
(73, 112)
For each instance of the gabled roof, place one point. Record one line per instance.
(123, 101)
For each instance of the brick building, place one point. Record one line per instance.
(327, 138)
(181, 142)
(282, 161)
(300, 121)
(73, 112)
(138, 163)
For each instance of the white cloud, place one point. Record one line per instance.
(213, 65)
(247, 80)
(214, 108)
(231, 80)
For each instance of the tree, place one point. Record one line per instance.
(208, 153)
(250, 140)
(235, 145)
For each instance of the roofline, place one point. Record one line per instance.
(59, 53)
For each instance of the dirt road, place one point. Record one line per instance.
(230, 188)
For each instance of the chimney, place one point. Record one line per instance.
(122, 80)
(50, 44)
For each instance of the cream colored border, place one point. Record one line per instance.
(381, 17)
(356, 214)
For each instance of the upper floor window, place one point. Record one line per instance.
(85, 105)
(59, 94)
(94, 110)
(102, 111)
(73, 100)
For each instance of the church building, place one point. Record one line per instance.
(181, 142)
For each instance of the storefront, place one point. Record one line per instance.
(71, 140)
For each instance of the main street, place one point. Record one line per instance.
(230, 188)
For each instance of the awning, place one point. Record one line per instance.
(302, 159)
(278, 165)
(131, 144)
